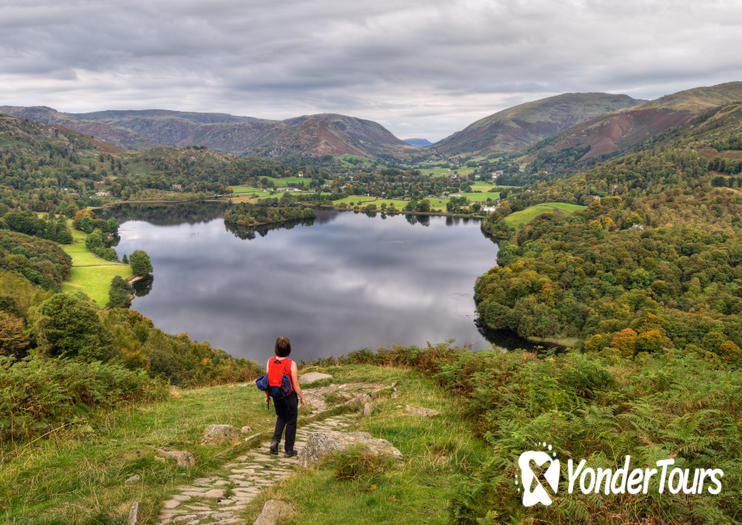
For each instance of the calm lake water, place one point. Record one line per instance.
(345, 282)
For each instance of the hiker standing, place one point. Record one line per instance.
(279, 369)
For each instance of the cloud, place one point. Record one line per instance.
(421, 68)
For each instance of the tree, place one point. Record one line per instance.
(140, 263)
(67, 325)
(119, 294)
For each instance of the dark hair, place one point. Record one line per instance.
(283, 346)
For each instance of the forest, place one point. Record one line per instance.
(652, 262)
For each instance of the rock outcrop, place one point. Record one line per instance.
(322, 444)
(182, 457)
(273, 511)
(313, 377)
(218, 434)
(342, 394)
(133, 517)
(420, 411)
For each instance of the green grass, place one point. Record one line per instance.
(241, 189)
(79, 477)
(437, 453)
(361, 200)
(523, 217)
(91, 274)
(249, 190)
(481, 196)
(349, 160)
(483, 186)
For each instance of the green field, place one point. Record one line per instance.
(249, 190)
(349, 160)
(91, 274)
(481, 196)
(439, 171)
(361, 200)
(523, 217)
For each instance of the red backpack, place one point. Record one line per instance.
(279, 378)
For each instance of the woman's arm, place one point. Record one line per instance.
(295, 381)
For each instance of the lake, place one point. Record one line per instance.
(344, 282)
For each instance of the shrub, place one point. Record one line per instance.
(597, 406)
(39, 393)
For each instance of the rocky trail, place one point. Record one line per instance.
(220, 499)
(223, 497)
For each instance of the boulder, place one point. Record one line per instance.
(182, 457)
(368, 409)
(218, 434)
(312, 377)
(420, 411)
(346, 393)
(322, 444)
(245, 430)
(273, 511)
(133, 518)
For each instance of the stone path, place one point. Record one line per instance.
(220, 499)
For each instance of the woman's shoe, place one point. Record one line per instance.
(274, 448)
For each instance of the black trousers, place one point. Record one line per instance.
(287, 410)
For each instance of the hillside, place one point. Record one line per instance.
(420, 143)
(618, 131)
(515, 129)
(649, 214)
(305, 136)
(112, 134)
(18, 135)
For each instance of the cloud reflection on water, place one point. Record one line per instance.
(346, 282)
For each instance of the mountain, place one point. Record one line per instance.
(331, 134)
(618, 131)
(517, 128)
(420, 143)
(305, 136)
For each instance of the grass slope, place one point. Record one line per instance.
(523, 217)
(78, 477)
(91, 274)
(437, 452)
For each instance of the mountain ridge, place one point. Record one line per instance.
(303, 136)
(615, 132)
(516, 128)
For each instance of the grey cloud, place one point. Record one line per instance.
(421, 68)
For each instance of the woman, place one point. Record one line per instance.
(286, 407)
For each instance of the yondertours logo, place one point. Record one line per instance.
(540, 471)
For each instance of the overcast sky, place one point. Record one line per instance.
(420, 68)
